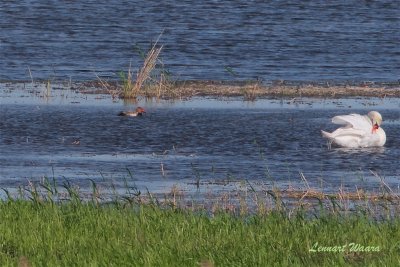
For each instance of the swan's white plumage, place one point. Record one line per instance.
(358, 131)
(356, 120)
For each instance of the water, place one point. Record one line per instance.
(271, 40)
(205, 140)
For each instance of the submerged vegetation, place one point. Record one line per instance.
(45, 225)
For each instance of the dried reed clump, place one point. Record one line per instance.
(132, 89)
(147, 83)
(149, 64)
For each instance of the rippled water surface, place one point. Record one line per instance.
(211, 141)
(290, 40)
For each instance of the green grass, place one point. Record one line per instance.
(77, 233)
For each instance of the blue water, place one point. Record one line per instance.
(344, 40)
(210, 141)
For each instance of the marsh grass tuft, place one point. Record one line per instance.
(151, 81)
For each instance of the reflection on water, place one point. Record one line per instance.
(190, 141)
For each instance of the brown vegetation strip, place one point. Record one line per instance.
(315, 194)
(254, 90)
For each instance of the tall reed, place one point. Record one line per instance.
(132, 89)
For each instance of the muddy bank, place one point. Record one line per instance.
(247, 90)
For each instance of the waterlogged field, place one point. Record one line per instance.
(205, 182)
(197, 145)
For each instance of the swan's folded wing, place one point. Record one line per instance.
(359, 122)
(349, 132)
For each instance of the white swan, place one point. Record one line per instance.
(359, 131)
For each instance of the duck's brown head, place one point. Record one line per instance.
(140, 111)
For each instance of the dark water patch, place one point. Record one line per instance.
(274, 40)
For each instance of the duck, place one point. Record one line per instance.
(359, 131)
(139, 111)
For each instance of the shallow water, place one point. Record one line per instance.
(209, 141)
(271, 40)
